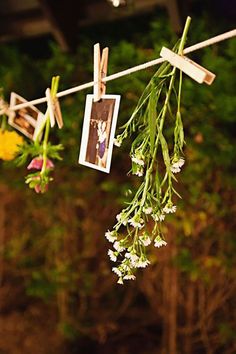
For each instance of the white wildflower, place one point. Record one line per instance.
(175, 169)
(120, 281)
(117, 271)
(176, 166)
(169, 208)
(136, 222)
(117, 142)
(132, 256)
(129, 277)
(181, 162)
(142, 263)
(162, 217)
(138, 161)
(159, 242)
(147, 210)
(158, 217)
(125, 266)
(118, 246)
(145, 239)
(111, 236)
(113, 255)
(121, 218)
(128, 255)
(139, 173)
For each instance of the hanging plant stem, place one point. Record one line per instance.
(155, 159)
(41, 152)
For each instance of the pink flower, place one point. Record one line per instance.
(37, 164)
(38, 188)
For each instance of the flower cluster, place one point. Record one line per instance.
(156, 158)
(131, 255)
(138, 164)
(39, 180)
(131, 251)
(41, 152)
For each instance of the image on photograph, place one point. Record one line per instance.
(26, 119)
(98, 132)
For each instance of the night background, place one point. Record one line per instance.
(58, 294)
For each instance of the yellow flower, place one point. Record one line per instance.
(9, 144)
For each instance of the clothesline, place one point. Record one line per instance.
(146, 65)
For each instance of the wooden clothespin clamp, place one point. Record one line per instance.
(50, 107)
(54, 109)
(100, 71)
(58, 114)
(188, 66)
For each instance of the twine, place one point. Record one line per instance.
(200, 45)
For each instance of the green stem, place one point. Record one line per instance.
(4, 122)
(170, 185)
(171, 85)
(163, 114)
(146, 94)
(127, 214)
(54, 88)
(162, 119)
(45, 144)
(180, 89)
(135, 236)
(55, 84)
(184, 36)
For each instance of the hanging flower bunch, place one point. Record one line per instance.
(41, 152)
(156, 159)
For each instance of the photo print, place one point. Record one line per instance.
(98, 132)
(26, 120)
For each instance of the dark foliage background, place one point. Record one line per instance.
(57, 293)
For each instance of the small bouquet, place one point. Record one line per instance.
(41, 152)
(156, 158)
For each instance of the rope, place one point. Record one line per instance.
(190, 49)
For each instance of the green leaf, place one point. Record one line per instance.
(165, 150)
(174, 190)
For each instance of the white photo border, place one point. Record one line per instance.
(85, 132)
(38, 121)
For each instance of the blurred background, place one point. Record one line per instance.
(57, 292)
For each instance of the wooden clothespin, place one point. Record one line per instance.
(50, 107)
(100, 71)
(188, 66)
(54, 109)
(58, 114)
(40, 121)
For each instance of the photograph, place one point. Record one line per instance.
(26, 120)
(98, 132)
